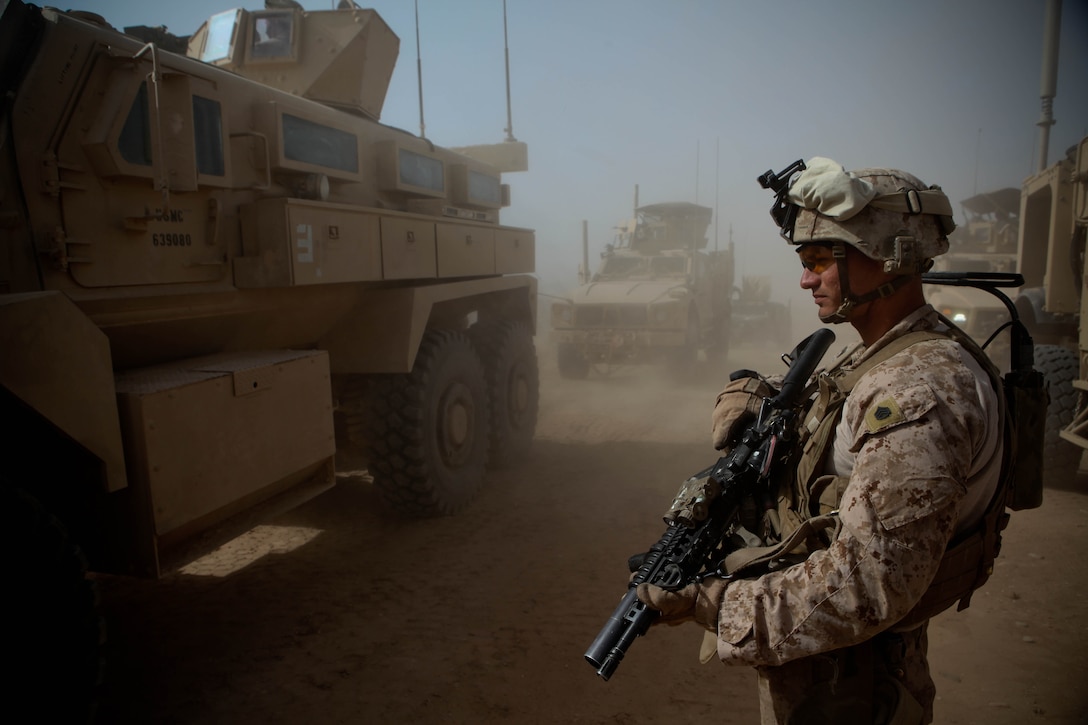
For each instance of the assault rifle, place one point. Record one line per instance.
(696, 537)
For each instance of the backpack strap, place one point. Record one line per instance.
(850, 377)
(968, 560)
(834, 386)
(759, 558)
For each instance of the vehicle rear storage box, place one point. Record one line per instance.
(208, 437)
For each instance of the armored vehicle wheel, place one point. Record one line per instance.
(1059, 367)
(55, 635)
(428, 438)
(571, 363)
(513, 387)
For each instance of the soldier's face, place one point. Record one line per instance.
(820, 275)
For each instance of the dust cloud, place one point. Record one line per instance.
(640, 403)
(647, 402)
(484, 617)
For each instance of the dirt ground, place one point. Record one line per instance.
(341, 612)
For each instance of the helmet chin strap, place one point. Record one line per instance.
(849, 299)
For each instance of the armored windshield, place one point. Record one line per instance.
(642, 267)
(272, 36)
(668, 266)
(222, 28)
(621, 268)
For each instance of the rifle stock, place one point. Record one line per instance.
(689, 551)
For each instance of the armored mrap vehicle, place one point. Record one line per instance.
(1039, 231)
(211, 264)
(1051, 254)
(1034, 231)
(985, 241)
(657, 296)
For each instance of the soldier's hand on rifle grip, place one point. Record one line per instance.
(737, 405)
(699, 602)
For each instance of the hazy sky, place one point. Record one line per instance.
(693, 99)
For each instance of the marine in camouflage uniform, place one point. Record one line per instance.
(912, 459)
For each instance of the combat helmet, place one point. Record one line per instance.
(886, 214)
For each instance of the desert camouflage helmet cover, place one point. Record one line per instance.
(886, 214)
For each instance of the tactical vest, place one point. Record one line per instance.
(807, 518)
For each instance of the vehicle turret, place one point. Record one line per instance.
(670, 225)
(343, 58)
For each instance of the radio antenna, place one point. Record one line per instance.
(696, 171)
(506, 50)
(717, 190)
(419, 77)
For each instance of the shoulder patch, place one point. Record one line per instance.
(883, 414)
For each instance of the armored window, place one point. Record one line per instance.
(313, 143)
(410, 173)
(422, 171)
(219, 43)
(135, 140)
(668, 266)
(622, 267)
(208, 132)
(273, 36)
(484, 189)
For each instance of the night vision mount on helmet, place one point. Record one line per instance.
(888, 215)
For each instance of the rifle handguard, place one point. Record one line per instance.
(686, 551)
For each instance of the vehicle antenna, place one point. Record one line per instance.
(419, 76)
(506, 50)
(717, 190)
(696, 172)
(978, 154)
(1049, 82)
